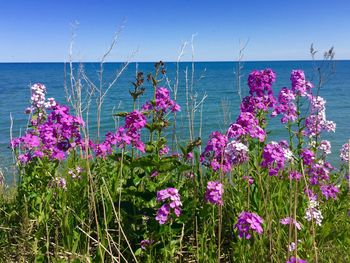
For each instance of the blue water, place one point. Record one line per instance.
(216, 79)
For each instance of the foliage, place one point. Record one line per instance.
(129, 199)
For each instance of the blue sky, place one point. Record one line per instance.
(39, 30)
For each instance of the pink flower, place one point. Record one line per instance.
(214, 193)
(174, 202)
(248, 223)
(290, 221)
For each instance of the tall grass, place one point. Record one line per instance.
(133, 197)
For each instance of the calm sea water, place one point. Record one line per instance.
(215, 79)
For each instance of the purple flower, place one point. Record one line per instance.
(164, 150)
(260, 82)
(325, 147)
(174, 202)
(274, 157)
(290, 221)
(313, 213)
(310, 194)
(58, 155)
(299, 85)
(344, 152)
(135, 120)
(163, 102)
(308, 156)
(154, 174)
(286, 106)
(294, 175)
(296, 260)
(249, 223)
(319, 172)
(254, 104)
(58, 182)
(129, 134)
(214, 193)
(145, 243)
(214, 153)
(246, 124)
(316, 121)
(249, 179)
(163, 213)
(236, 152)
(24, 158)
(189, 156)
(38, 95)
(329, 191)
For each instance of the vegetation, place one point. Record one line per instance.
(135, 198)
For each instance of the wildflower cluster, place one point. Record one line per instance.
(286, 106)
(53, 136)
(316, 122)
(37, 98)
(236, 152)
(294, 175)
(214, 193)
(75, 173)
(296, 260)
(313, 213)
(290, 221)
(274, 157)
(214, 153)
(58, 182)
(163, 103)
(300, 86)
(325, 147)
(344, 152)
(249, 223)
(129, 134)
(329, 191)
(260, 82)
(246, 124)
(173, 196)
(307, 156)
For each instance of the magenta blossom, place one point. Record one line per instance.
(260, 82)
(290, 221)
(214, 193)
(308, 156)
(214, 153)
(246, 124)
(249, 223)
(299, 85)
(294, 175)
(329, 191)
(163, 102)
(52, 135)
(145, 243)
(174, 202)
(296, 260)
(274, 157)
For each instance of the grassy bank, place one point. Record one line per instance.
(233, 197)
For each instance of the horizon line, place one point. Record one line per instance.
(183, 61)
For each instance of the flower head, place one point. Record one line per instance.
(274, 157)
(312, 212)
(249, 223)
(173, 197)
(290, 221)
(236, 152)
(214, 193)
(296, 260)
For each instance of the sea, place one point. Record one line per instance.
(210, 86)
